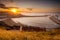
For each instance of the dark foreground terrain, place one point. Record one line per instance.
(24, 35)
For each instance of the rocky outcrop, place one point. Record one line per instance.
(54, 19)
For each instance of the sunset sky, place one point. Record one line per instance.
(30, 3)
(39, 6)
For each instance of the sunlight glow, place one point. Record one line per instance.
(14, 10)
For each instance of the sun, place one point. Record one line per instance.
(14, 10)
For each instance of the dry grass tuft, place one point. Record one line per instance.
(17, 35)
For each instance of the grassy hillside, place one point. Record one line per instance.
(17, 35)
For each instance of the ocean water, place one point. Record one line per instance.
(43, 22)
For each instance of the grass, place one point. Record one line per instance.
(17, 35)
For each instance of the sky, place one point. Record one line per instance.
(30, 3)
(22, 4)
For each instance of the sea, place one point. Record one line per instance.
(42, 22)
